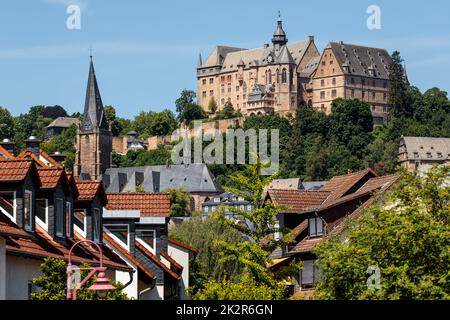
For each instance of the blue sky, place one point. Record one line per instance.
(145, 52)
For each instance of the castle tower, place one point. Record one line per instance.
(94, 137)
(279, 37)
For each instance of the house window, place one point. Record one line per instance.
(119, 232)
(69, 227)
(206, 209)
(8, 204)
(373, 108)
(333, 81)
(333, 93)
(249, 207)
(42, 213)
(323, 62)
(204, 81)
(211, 80)
(204, 94)
(28, 210)
(211, 93)
(322, 94)
(147, 238)
(96, 225)
(79, 222)
(315, 227)
(309, 274)
(322, 82)
(59, 217)
(222, 88)
(229, 87)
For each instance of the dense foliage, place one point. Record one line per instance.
(406, 237)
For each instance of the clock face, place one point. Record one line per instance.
(269, 58)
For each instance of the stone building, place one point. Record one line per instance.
(352, 72)
(256, 81)
(94, 137)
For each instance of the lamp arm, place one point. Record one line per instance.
(90, 241)
(94, 270)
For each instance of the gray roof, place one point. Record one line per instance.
(194, 177)
(312, 185)
(285, 56)
(226, 198)
(218, 55)
(64, 122)
(258, 92)
(360, 59)
(310, 67)
(93, 107)
(286, 184)
(426, 148)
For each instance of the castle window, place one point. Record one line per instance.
(222, 88)
(86, 139)
(352, 93)
(229, 87)
(331, 61)
(373, 95)
(363, 82)
(204, 94)
(384, 84)
(333, 81)
(323, 62)
(211, 92)
(373, 108)
(223, 101)
(352, 80)
(333, 93)
(237, 88)
(373, 83)
(278, 76)
(322, 83)
(204, 81)
(384, 96)
(270, 77)
(211, 80)
(439, 154)
(283, 76)
(322, 94)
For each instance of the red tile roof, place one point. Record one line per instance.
(30, 155)
(306, 244)
(122, 250)
(156, 260)
(150, 204)
(43, 246)
(50, 177)
(339, 185)
(14, 170)
(298, 201)
(183, 245)
(50, 159)
(8, 228)
(170, 259)
(88, 190)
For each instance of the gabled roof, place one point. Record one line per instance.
(183, 245)
(64, 122)
(298, 201)
(286, 184)
(170, 259)
(5, 154)
(50, 177)
(150, 204)
(285, 56)
(426, 148)
(15, 170)
(155, 259)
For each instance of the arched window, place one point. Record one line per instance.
(283, 76)
(278, 76)
(86, 139)
(270, 77)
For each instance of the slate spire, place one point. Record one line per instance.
(94, 115)
(279, 36)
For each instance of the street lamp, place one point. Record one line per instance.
(101, 284)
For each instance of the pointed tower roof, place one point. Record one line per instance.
(285, 56)
(279, 36)
(93, 107)
(200, 62)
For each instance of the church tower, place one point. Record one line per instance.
(279, 36)
(94, 137)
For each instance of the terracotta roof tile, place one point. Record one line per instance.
(88, 190)
(298, 201)
(49, 177)
(50, 159)
(307, 244)
(150, 204)
(30, 155)
(183, 245)
(14, 170)
(43, 246)
(156, 260)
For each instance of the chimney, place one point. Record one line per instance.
(349, 171)
(311, 38)
(33, 144)
(8, 145)
(266, 45)
(58, 157)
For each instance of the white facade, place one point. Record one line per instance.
(19, 272)
(181, 255)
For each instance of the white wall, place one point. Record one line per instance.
(132, 289)
(19, 271)
(181, 255)
(2, 269)
(157, 293)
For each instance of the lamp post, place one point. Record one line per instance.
(101, 284)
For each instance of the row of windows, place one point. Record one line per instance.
(121, 232)
(277, 74)
(371, 95)
(211, 81)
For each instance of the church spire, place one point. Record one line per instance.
(93, 107)
(279, 36)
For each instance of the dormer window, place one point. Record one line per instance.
(69, 223)
(42, 213)
(147, 238)
(439, 154)
(59, 217)
(315, 227)
(429, 155)
(96, 223)
(8, 204)
(416, 155)
(79, 222)
(28, 211)
(216, 200)
(120, 233)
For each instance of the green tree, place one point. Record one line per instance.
(227, 111)
(186, 98)
(399, 98)
(64, 143)
(155, 123)
(180, 202)
(138, 158)
(6, 124)
(192, 112)
(202, 233)
(53, 283)
(116, 127)
(212, 105)
(405, 235)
